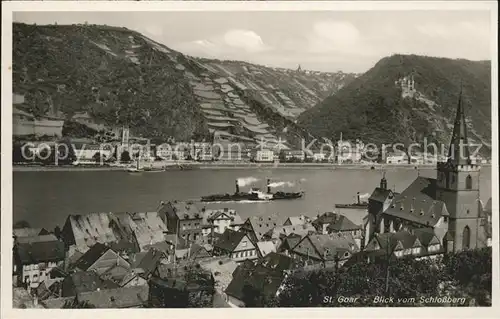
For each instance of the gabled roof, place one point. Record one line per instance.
(83, 281)
(301, 230)
(229, 240)
(328, 246)
(266, 247)
(262, 224)
(418, 203)
(35, 239)
(148, 228)
(39, 251)
(398, 240)
(29, 232)
(198, 251)
(343, 223)
(262, 279)
(380, 195)
(181, 209)
(278, 262)
(426, 236)
(297, 220)
(291, 241)
(148, 262)
(125, 297)
(91, 256)
(116, 273)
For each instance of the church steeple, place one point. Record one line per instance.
(458, 152)
(383, 183)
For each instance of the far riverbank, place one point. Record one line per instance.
(222, 165)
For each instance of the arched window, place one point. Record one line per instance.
(468, 182)
(466, 238)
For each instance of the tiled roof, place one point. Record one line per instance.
(291, 241)
(92, 228)
(36, 239)
(426, 236)
(343, 223)
(328, 246)
(183, 210)
(263, 279)
(91, 256)
(266, 247)
(300, 229)
(297, 220)
(40, 251)
(277, 262)
(229, 240)
(122, 231)
(380, 195)
(405, 238)
(198, 251)
(28, 232)
(116, 273)
(56, 303)
(148, 228)
(263, 224)
(418, 203)
(125, 297)
(83, 281)
(148, 262)
(326, 218)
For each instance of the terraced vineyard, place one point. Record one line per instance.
(122, 78)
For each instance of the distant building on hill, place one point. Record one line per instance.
(26, 124)
(407, 85)
(449, 206)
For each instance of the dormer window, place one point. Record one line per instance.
(445, 218)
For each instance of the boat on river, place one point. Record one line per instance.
(254, 194)
(357, 205)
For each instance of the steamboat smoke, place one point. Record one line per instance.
(245, 181)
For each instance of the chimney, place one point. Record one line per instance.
(359, 199)
(237, 187)
(268, 187)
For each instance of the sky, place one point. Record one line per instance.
(348, 41)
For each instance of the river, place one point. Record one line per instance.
(46, 198)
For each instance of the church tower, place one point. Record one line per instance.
(458, 187)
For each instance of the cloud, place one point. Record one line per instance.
(336, 36)
(235, 41)
(434, 30)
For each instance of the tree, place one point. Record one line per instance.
(467, 274)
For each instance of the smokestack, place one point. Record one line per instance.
(237, 187)
(359, 199)
(268, 186)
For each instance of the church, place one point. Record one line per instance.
(446, 209)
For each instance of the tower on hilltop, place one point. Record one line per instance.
(408, 86)
(458, 187)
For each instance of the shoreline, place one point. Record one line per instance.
(229, 166)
